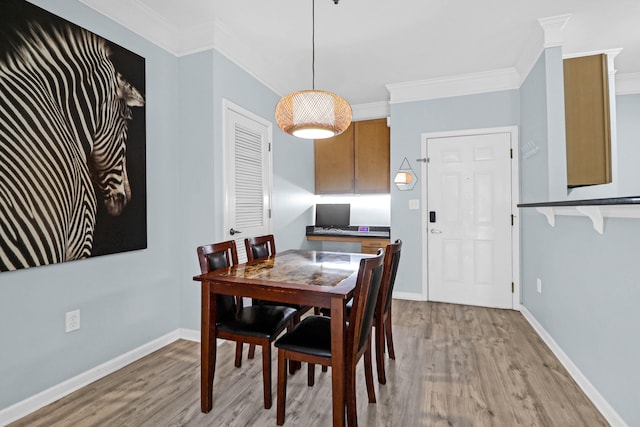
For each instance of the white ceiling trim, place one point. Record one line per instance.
(373, 110)
(628, 84)
(445, 87)
(246, 57)
(141, 20)
(553, 27)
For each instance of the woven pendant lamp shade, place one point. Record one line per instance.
(313, 114)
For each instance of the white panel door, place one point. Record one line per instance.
(247, 176)
(469, 221)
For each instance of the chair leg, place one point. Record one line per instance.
(252, 351)
(295, 365)
(282, 388)
(368, 373)
(350, 397)
(266, 374)
(238, 361)
(389, 334)
(311, 374)
(379, 343)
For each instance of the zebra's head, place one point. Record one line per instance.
(74, 67)
(108, 156)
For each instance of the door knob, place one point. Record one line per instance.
(435, 231)
(232, 231)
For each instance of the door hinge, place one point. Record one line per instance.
(269, 147)
(513, 287)
(512, 219)
(511, 152)
(269, 213)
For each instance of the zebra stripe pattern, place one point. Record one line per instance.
(64, 112)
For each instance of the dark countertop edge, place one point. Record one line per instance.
(355, 227)
(360, 236)
(630, 200)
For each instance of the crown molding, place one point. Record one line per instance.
(552, 27)
(141, 20)
(445, 87)
(272, 74)
(373, 110)
(628, 84)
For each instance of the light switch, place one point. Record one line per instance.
(414, 204)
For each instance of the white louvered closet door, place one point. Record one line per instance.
(248, 176)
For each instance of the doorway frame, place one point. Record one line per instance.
(515, 197)
(228, 106)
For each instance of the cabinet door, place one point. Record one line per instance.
(586, 95)
(372, 156)
(334, 163)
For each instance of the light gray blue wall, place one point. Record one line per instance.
(208, 78)
(199, 200)
(408, 122)
(129, 299)
(556, 140)
(125, 300)
(628, 115)
(589, 281)
(534, 149)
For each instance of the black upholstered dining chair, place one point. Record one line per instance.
(382, 319)
(310, 340)
(262, 247)
(259, 324)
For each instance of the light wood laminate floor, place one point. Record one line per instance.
(455, 366)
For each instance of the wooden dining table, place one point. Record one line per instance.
(308, 278)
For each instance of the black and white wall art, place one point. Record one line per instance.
(72, 141)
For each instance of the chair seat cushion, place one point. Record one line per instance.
(311, 336)
(261, 321)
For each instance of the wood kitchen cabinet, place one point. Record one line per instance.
(356, 161)
(587, 117)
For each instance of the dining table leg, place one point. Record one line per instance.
(207, 346)
(338, 360)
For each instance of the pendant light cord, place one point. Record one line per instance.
(313, 44)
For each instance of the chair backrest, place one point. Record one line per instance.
(260, 247)
(213, 257)
(365, 297)
(391, 261)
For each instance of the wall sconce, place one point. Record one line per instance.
(405, 178)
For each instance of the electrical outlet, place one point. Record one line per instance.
(72, 321)
(539, 285)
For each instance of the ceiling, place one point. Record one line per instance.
(364, 45)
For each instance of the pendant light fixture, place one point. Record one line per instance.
(313, 114)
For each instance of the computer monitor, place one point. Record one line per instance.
(333, 215)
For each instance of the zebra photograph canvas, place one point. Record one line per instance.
(72, 141)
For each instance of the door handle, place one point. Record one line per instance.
(232, 231)
(436, 231)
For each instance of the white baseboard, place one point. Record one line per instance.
(411, 296)
(50, 395)
(592, 393)
(189, 334)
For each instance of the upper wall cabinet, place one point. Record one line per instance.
(588, 131)
(356, 161)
